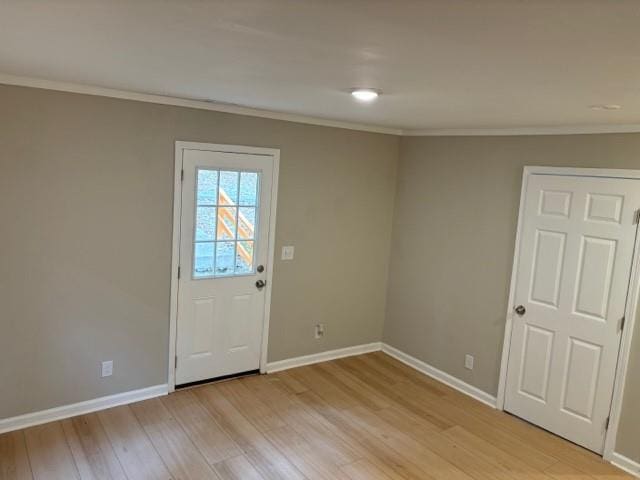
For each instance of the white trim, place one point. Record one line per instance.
(508, 131)
(630, 308)
(439, 375)
(200, 104)
(624, 353)
(203, 104)
(405, 358)
(81, 408)
(626, 464)
(506, 345)
(583, 172)
(175, 264)
(322, 357)
(270, 261)
(175, 250)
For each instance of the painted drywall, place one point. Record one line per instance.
(453, 237)
(86, 209)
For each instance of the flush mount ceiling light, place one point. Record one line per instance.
(605, 106)
(365, 94)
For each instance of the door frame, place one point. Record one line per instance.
(630, 307)
(180, 146)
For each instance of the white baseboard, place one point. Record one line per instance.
(441, 376)
(322, 357)
(630, 466)
(66, 411)
(626, 464)
(395, 353)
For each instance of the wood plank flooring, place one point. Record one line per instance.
(361, 418)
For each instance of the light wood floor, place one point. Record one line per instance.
(365, 417)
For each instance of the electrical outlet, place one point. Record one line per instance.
(287, 252)
(107, 368)
(468, 362)
(319, 330)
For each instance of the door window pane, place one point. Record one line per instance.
(224, 258)
(248, 188)
(207, 187)
(244, 257)
(227, 223)
(246, 223)
(205, 223)
(228, 188)
(203, 259)
(225, 232)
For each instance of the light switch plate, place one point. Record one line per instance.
(287, 252)
(107, 368)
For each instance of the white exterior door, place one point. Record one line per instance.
(576, 247)
(224, 235)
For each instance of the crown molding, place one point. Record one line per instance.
(32, 82)
(15, 80)
(490, 132)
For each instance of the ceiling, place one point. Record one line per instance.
(447, 64)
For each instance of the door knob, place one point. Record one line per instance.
(260, 284)
(520, 310)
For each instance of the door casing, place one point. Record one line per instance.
(630, 307)
(175, 251)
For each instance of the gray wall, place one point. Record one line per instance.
(85, 212)
(452, 248)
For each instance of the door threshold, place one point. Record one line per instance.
(223, 378)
